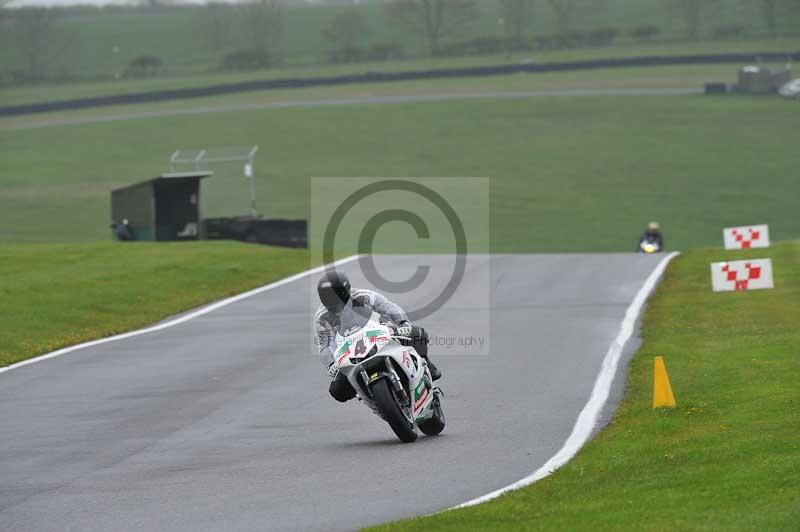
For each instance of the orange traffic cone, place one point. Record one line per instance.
(662, 390)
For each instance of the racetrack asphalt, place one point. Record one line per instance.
(35, 123)
(224, 422)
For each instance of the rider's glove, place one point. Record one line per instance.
(333, 371)
(404, 329)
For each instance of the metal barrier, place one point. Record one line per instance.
(276, 232)
(383, 77)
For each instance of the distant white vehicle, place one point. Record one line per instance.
(791, 90)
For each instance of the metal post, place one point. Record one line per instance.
(251, 168)
(173, 159)
(198, 159)
(251, 179)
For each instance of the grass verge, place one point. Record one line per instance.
(568, 174)
(55, 295)
(725, 459)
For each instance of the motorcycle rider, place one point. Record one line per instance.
(336, 295)
(653, 236)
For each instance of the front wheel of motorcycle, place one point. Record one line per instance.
(392, 413)
(434, 425)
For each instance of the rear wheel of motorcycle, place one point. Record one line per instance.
(434, 425)
(392, 413)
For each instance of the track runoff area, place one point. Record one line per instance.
(221, 417)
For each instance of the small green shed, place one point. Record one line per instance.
(166, 207)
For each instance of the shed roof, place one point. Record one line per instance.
(169, 176)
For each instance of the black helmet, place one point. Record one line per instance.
(334, 290)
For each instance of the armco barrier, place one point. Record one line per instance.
(275, 232)
(382, 77)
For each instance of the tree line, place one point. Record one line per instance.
(263, 23)
(436, 20)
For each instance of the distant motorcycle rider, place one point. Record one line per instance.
(652, 236)
(336, 294)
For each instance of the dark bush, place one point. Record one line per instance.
(385, 52)
(454, 49)
(493, 45)
(18, 76)
(515, 45)
(730, 31)
(602, 36)
(482, 46)
(645, 32)
(350, 54)
(144, 66)
(6, 78)
(543, 42)
(577, 39)
(554, 42)
(246, 60)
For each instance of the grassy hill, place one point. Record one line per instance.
(568, 174)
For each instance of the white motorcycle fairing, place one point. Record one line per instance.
(372, 352)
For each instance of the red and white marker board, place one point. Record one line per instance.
(738, 275)
(746, 237)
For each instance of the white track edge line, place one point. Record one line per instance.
(587, 419)
(202, 311)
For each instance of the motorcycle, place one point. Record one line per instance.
(388, 377)
(648, 247)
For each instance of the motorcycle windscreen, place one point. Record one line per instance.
(353, 318)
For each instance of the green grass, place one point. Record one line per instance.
(691, 76)
(568, 174)
(56, 295)
(725, 459)
(178, 80)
